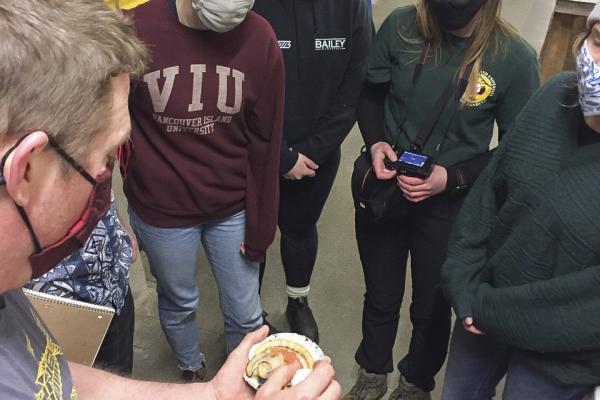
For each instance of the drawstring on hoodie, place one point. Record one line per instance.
(314, 16)
(298, 51)
(297, 33)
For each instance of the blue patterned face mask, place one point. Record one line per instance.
(588, 76)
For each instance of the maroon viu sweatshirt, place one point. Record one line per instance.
(207, 126)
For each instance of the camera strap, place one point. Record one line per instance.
(419, 142)
(415, 79)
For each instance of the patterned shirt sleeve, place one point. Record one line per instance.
(99, 272)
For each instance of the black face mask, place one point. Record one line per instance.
(455, 14)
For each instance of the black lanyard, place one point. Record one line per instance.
(425, 132)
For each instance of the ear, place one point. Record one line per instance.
(593, 42)
(17, 168)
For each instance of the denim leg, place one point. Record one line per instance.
(237, 278)
(173, 256)
(475, 366)
(524, 382)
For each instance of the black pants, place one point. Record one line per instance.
(300, 207)
(116, 352)
(422, 230)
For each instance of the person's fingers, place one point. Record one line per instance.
(310, 173)
(425, 187)
(469, 325)
(295, 174)
(419, 190)
(385, 175)
(416, 195)
(411, 180)
(381, 172)
(415, 199)
(310, 163)
(333, 392)
(378, 164)
(318, 380)
(474, 330)
(389, 152)
(279, 379)
(250, 340)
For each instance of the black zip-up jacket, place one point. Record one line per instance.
(325, 44)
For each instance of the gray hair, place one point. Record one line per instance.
(57, 58)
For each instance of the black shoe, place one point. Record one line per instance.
(189, 376)
(272, 329)
(301, 319)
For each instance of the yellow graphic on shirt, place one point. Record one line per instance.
(486, 87)
(29, 346)
(125, 4)
(49, 374)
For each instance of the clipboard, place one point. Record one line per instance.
(78, 327)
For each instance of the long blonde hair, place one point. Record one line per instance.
(490, 30)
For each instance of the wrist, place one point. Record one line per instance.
(212, 392)
(288, 161)
(445, 174)
(370, 140)
(456, 182)
(377, 145)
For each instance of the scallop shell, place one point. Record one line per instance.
(261, 363)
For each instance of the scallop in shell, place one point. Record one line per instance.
(277, 350)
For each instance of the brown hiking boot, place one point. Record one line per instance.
(368, 386)
(408, 391)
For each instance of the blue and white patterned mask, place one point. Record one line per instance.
(588, 76)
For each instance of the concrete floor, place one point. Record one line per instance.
(337, 287)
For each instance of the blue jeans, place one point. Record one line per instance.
(476, 364)
(173, 257)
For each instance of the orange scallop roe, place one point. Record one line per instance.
(289, 356)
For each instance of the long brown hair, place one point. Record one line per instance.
(491, 31)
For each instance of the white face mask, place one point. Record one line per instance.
(222, 15)
(588, 76)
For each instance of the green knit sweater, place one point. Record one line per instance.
(524, 257)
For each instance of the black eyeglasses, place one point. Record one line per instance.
(76, 166)
(58, 150)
